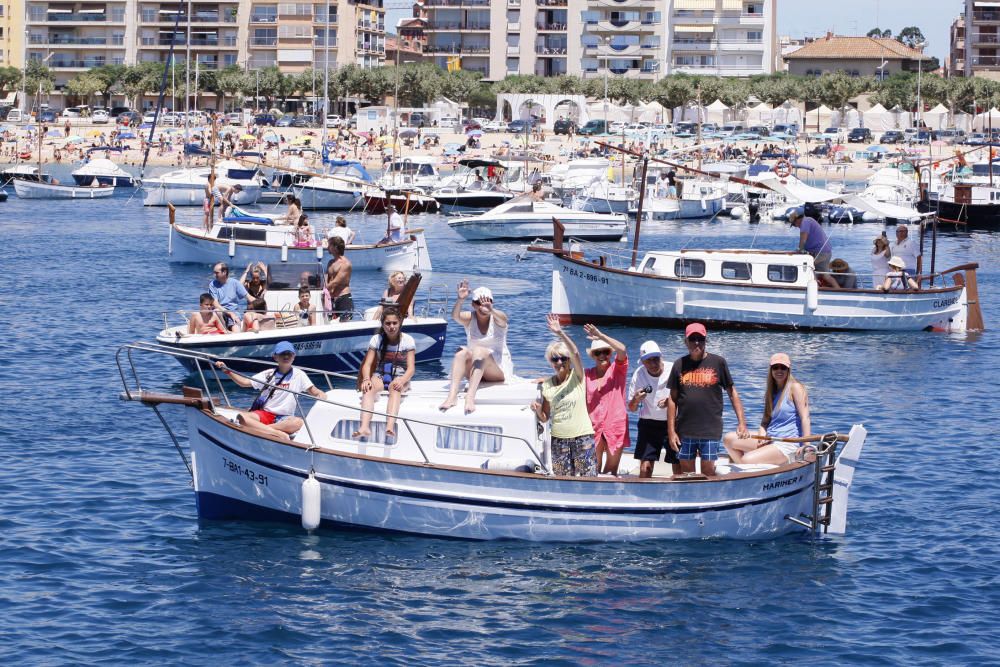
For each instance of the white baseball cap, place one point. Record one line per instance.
(481, 293)
(649, 349)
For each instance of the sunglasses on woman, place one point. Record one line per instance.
(555, 358)
(779, 367)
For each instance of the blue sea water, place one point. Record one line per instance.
(102, 558)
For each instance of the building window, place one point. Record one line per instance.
(755, 36)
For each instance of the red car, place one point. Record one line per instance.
(472, 125)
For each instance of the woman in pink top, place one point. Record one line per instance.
(606, 383)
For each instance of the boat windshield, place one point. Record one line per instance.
(350, 171)
(408, 168)
(983, 168)
(293, 276)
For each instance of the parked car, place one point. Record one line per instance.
(235, 118)
(473, 125)
(416, 119)
(149, 117)
(445, 122)
(517, 126)
(494, 126)
(950, 136)
(976, 139)
(352, 123)
(285, 121)
(564, 126)
(923, 137)
(73, 112)
(305, 120)
(760, 130)
(860, 135)
(594, 127)
(13, 116)
(100, 116)
(333, 120)
(891, 137)
(47, 116)
(265, 119)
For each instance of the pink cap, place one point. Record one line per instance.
(695, 328)
(780, 358)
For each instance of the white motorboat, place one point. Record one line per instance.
(186, 187)
(327, 345)
(22, 172)
(523, 218)
(105, 172)
(697, 199)
(479, 476)
(254, 239)
(481, 184)
(566, 179)
(341, 190)
(49, 190)
(415, 172)
(749, 289)
(605, 197)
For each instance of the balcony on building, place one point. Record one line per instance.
(321, 17)
(986, 16)
(550, 46)
(985, 62)
(552, 3)
(551, 19)
(72, 39)
(264, 14)
(67, 14)
(457, 3)
(458, 48)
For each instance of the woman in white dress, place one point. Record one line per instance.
(485, 356)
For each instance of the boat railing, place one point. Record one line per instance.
(209, 374)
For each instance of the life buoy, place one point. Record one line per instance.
(783, 169)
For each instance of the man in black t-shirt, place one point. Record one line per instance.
(694, 413)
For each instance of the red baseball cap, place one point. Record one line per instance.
(695, 328)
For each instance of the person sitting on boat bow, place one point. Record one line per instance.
(397, 281)
(564, 400)
(786, 415)
(206, 320)
(294, 211)
(389, 365)
(217, 195)
(485, 356)
(846, 279)
(228, 295)
(898, 279)
(395, 226)
(813, 240)
(273, 411)
(304, 237)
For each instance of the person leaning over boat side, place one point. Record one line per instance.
(273, 411)
(846, 279)
(206, 320)
(906, 248)
(257, 318)
(813, 240)
(880, 260)
(485, 356)
(337, 295)
(341, 229)
(392, 356)
(694, 413)
(648, 389)
(227, 294)
(256, 284)
(564, 400)
(786, 415)
(217, 195)
(606, 383)
(898, 279)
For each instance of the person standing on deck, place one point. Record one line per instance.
(813, 240)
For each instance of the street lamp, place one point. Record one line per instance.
(607, 65)
(256, 96)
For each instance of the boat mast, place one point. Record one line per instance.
(187, 83)
(638, 213)
(326, 84)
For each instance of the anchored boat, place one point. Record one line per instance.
(523, 218)
(43, 190)
(482, 476)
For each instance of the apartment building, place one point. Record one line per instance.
(979, 40)
(955, 66)
(631, 38)
(11, 33)
(72, 36)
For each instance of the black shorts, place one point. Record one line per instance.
(651, 440)
(343, 306)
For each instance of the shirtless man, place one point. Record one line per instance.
(338, 281)
(217, 195)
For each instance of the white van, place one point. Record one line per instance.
(14, 116)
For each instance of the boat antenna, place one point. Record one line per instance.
(163, 87)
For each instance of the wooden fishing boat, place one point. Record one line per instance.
(43, 190)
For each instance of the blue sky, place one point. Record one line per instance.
(812, 18)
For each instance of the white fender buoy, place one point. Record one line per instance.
(284, 249)
(319, 251)
(812, 294)
(310, 502)
(869, 216)
(232, 247)
(679, 301)
(737, 212)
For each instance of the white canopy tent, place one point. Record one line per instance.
(762, 114)
(963, 121)
(819, 118)
(691, 113)
(986, 120)
(718, 112)
(614, 113)
(522, 105)
(653, 112)
(901, 118)
(937, 118)
(878, 119)
(787, 113)
(849, 118)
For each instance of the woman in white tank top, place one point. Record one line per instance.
(485, 356)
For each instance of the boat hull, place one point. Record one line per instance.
(471, 203)
(159, 193)
(583, 292)
(113, 181)
(241, 476)
(377, 204)
(337, 347)
(973, 215)
(192, 246)
(474, 229)
(40, 190)
(329, 199)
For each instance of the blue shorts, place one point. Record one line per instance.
(692, 447)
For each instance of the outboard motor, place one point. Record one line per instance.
(753, 207)
(813, 211)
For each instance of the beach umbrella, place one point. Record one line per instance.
(94, 133)
(53, 133)
(126, 135)
(876, 149)
(271, 137)
(301, 141)
(248, 137)
(74, 139)
(407, 133)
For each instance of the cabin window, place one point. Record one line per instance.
(736, 271)
(345, 428)
(648, 266)
(481, 440)
(243, 234)
(689, 268)
(782, 273)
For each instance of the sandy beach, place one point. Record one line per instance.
(67, 150)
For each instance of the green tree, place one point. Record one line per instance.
(110, 77)
(10, 78)
(84, 86)
(875, 32)
(38, 77)
(228, 81)
(673, 91)
(911, 36)
(835, 90)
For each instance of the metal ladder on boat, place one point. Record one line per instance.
(824, 467)
(437, 300)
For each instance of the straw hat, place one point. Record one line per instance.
(897, 262)
(598, 344)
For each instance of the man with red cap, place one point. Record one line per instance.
(694, 411)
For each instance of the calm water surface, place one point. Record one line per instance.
(103, 559)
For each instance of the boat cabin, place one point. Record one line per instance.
(739, 267)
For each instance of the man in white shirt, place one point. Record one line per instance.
(906, 248)
(647, 388)
(395, 231)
